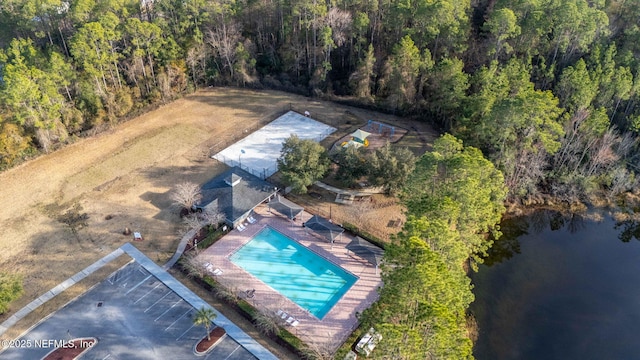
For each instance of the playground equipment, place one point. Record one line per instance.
(372, 125)
(352, 142)
(358, 138)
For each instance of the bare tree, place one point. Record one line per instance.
(572, 143)
(340, 23)
(627, 142)
(197, 62)
(212, 217)
(525, 170)
(209, 217)
(194, 266)
(224, 40)
(186, 195)
(193, 222)
(319, 350)
(603, 156)
(621, 181)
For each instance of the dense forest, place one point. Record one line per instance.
(422, 309)
(547, 89)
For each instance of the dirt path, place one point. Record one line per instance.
(122, 178)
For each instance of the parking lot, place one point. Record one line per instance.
(133, 315)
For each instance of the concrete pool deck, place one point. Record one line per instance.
(326, 333)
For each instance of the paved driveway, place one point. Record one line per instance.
(134, 316)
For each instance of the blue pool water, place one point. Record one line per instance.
(294, 271)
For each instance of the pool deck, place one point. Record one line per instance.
(326, 334)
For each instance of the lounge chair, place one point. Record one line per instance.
(241, 227)
(284, 315)
(279, 312)
(290, 320)
(295, 323)
(217, 272)
(251, 219)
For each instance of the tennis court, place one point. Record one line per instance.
(258, 152)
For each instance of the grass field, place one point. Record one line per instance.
(63, 211)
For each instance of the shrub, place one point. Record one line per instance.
(10, 289)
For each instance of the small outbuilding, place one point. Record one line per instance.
(358, 139)
(360, 136)
(235, 193)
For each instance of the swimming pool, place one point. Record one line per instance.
(294, 271)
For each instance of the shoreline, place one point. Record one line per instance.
(623, 206)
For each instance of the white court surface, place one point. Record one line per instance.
(258, 153)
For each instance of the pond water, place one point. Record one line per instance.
(560, 287)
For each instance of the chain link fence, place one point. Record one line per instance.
(228, 140)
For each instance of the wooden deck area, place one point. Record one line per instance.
(331, 331)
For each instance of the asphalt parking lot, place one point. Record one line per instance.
(133, 315)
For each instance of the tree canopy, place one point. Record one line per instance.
(547, 91)
(458, 186)
(532, 69)
(390, 167)
(453, 198)
(302, 162)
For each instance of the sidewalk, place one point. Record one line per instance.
(160, 273)
(13, 319)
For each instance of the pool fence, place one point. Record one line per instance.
(265, 172)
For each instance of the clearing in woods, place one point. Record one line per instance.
(64, 210)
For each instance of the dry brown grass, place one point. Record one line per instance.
(378, 215)
(122, 178)
(68, 295)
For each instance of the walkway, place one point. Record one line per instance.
(347, 196)
(181, 246)
(363, 192)
(13, 319)
(187, 295)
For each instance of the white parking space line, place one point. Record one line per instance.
(138, 284)
(171, 307)
(154, 304)
(231, 353)
(173, 323)
(124, 278)
(186, 331)
(148, 292)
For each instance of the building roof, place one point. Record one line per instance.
(235, 192)
(324, 228)
(285, 207)
(360, 134)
